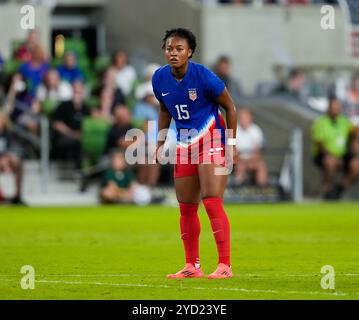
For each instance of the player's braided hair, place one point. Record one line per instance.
(182, 33)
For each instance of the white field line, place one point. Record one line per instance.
(257, 275)
(138, 285)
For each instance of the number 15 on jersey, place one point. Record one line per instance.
(182, 111)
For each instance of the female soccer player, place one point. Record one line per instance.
(191, 94)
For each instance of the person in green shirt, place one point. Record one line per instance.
(331, 135)
(118, 181)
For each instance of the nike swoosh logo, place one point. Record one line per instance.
(165, 94)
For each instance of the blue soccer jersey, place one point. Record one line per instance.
(191, 101)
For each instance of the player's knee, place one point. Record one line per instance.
(188, 209)
(207, 194)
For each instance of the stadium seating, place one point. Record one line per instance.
(94, 132)
(77, 45)
(101, 63)
(11, 66)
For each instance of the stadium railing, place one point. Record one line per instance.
(41, 144)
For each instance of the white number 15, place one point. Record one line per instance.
(183, 114)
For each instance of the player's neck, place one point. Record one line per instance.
(179, 73)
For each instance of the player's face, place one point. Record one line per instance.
(177, 51)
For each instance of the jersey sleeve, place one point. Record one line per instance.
(214, 86)
(155, 87)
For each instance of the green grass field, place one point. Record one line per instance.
(125, 252)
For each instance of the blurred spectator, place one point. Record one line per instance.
(118, 182)
(331, 134)
(34, 70)
(25, 52)
(16, 93)
(149, 71)
(116, 135)
(69, 71)
(53, 88)
(249, 146)
(51, 91)
(351, 103)
(147, 110)
(223, 69)
(294, 86)
(19, 105)
(148, 106)
(10, 163)
(2, 80)
(121, 75)
(109, 99)
(352, 160)
(66, 123)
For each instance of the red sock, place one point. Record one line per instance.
(190, 230)
(220, 227)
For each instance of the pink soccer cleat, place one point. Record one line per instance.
(222, 272)
(189, 271)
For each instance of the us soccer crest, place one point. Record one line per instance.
(192, 93)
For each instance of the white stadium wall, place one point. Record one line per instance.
(139, 25)
(10, 18)
(255, 38)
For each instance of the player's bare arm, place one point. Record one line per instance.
(225, 100)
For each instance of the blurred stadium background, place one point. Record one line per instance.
(73, 86)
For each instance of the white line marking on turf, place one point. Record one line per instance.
(138, 285)
(238, 275)
(196, 288)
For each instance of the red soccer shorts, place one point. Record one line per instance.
(205, 151)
